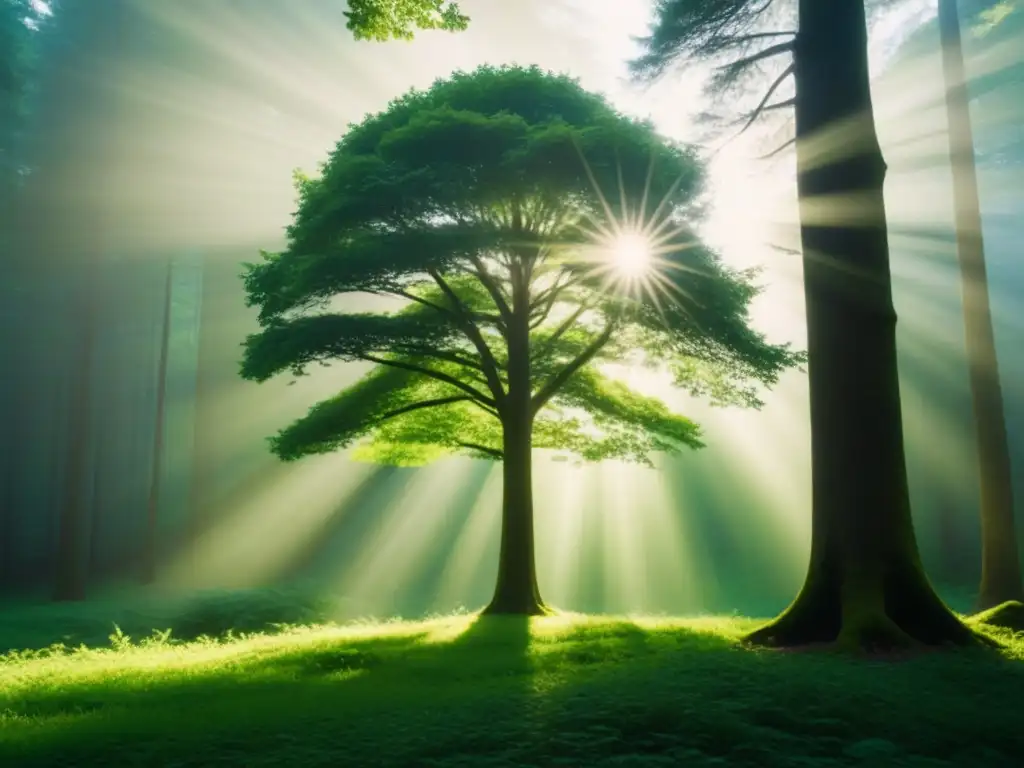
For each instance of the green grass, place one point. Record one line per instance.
(461, 691)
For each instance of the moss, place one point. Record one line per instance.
(1009, 615)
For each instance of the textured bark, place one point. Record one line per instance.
(1000, 560)
(516, 591)
(865, 586)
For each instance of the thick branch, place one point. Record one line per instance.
(771, 89)
(475, 394)
(545, 393)
(490, 364)
(484, 449)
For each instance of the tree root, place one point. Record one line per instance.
(1009, 615)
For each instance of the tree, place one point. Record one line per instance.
(491, 205)
(1000, 562)
(382, 20)
(865, 585)
(151, 548)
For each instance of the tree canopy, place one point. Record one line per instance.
(489, 204)
(382, 20)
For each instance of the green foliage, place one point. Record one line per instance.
(14, 75)
(382, 20)
(483, 204)
(739, 30)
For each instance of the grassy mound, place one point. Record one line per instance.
(498, 691)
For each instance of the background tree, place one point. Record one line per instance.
(382, 20)
(1000, 561)
(509, 210)
(865, 585)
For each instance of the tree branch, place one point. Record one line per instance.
(487, 280)
(767, 53)
(545, 393)
(785, 104)
(444, 311)
(499, 455)
(475, 394)
(440, 354)
(561, 330)
(490, 364)
(740, 39)
(425, 404)
(778, 150)
(548, 299)
(771, 89)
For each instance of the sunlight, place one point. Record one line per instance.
(228, 123)
(632, 255)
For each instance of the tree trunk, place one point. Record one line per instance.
(150, 554)
(865, 586)
(516, 591)
(72, 555)
(1000, 561)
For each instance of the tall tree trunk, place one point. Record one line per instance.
(865, 586)
(72, 533)
(516, 591)
(1000, 561)
(150, 552)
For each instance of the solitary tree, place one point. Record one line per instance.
(531, 232)
(1000, 562)
(865, 585)
(382, 20)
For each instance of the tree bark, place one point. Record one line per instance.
(865, 586)
(516, 591)
(1000, 560)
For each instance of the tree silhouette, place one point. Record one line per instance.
(865, 586)
(1000, 562)
(492, 205)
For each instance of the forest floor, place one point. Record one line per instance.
(463, 691)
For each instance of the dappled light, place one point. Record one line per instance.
(558, 382)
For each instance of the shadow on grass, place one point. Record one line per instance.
(506, 691)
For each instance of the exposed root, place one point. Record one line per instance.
(1009, 615)
(873, 635)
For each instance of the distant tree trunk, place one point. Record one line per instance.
(517, 591)
(1000, 560)
(150, 552)
(72, 560)
(865, 587)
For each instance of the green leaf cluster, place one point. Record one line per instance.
(485, 203)
(382, 20)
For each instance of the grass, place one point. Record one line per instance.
(461, 691)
